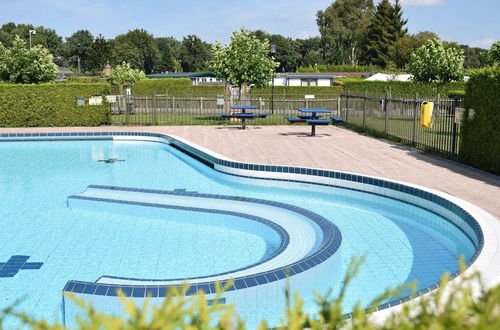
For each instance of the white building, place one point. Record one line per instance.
(389, 77)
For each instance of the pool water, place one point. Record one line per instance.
(401, 242)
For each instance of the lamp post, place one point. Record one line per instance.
(273, 52)
(30, 33)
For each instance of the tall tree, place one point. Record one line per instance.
(287, 50)
(493, 55)
(434, 63)
(138, 48)
(45, 37)
(77, 49)
(400, 52)
(99, 54)
(170, 52)
(386, 27)
(343, 26)
(195, 54)
(244, 61)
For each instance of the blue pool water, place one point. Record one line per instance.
(401, 242)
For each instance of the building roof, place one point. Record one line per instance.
(182, 75)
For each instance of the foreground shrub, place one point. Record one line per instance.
(405, 88)
(48, 105)
(451, 306)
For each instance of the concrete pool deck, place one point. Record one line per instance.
(333, 148)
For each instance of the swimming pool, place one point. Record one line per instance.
(153, 215)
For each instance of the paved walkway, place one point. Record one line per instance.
(333, 148)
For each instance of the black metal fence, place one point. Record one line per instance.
(206, 110)
(399, 117)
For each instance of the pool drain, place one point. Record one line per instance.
(111, 160)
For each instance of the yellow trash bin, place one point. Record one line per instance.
(426, 114)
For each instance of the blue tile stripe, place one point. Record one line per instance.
(330, 243)
(209, 159)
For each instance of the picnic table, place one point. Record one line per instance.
(243, 115)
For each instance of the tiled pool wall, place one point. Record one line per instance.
(417, 196)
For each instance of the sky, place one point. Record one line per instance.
(472, 22)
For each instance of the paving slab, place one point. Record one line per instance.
(334, 148)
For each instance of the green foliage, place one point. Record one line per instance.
(44, 37)
(174, 86)
(493, 55)
(451, 306)
(480, 137)
(85, 80)
(124, 75)
(20, 65)
(99, 54)
(297, 91)
(386, 27)
(434, 63)
(170, 52)
(401, 50)
(195, 54)
(403, 88)
(244, 61)
(342, 27)
(78, 45)
(287, 50)
(138, 48)
(48, 105)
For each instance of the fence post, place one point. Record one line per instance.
(364, 108)
(415, 120)
(455, 129)
(173, 104)
(201, 103)
(347, 107)
(155, 104)
(386, 109)
(338, 107)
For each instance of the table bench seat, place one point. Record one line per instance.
(318, 121)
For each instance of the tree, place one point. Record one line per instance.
(244, 61)
(47, 38)
(310, 51)
(99, 54)
(77, 49)
(400, 52)
(195, 54)
(170, 52)
(123, 75)
(342, 27)
(386, 27)
(493, 55)
(138, 48)
(20, 65)
(473, 56)
(287, 50)
(434, 63)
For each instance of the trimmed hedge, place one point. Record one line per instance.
(173, 86)
(332, 91)
(406, 88)
(52, 105)
(480, 137)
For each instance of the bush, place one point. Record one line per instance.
(86, 79)
(300, 91)
(174, 86)
(52, 105)
(339, 68)
(480, 137)
(404, 88)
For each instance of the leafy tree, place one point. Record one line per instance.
(47, 38)
(473, 56)
(310, 51)
(170, 52)
(20, 65)
(124, 75)
(138, 48)
(99, 54)
(386, 27)
(287, 50)
(434, 63)
(195, 54)
(493, 55)
(78, 46)
(244, 61)
(343, 27)
(400, 52)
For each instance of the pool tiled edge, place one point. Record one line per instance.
(461, 214)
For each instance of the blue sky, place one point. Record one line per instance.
(472, 22)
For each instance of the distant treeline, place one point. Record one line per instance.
(350, 36)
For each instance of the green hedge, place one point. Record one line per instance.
(406, 88)
(480, 136)
(333, 91)
(173, 86)
(338, 68)
(52, 105)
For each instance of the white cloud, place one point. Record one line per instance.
(303, 35)
(483, 43)
(408, 3)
